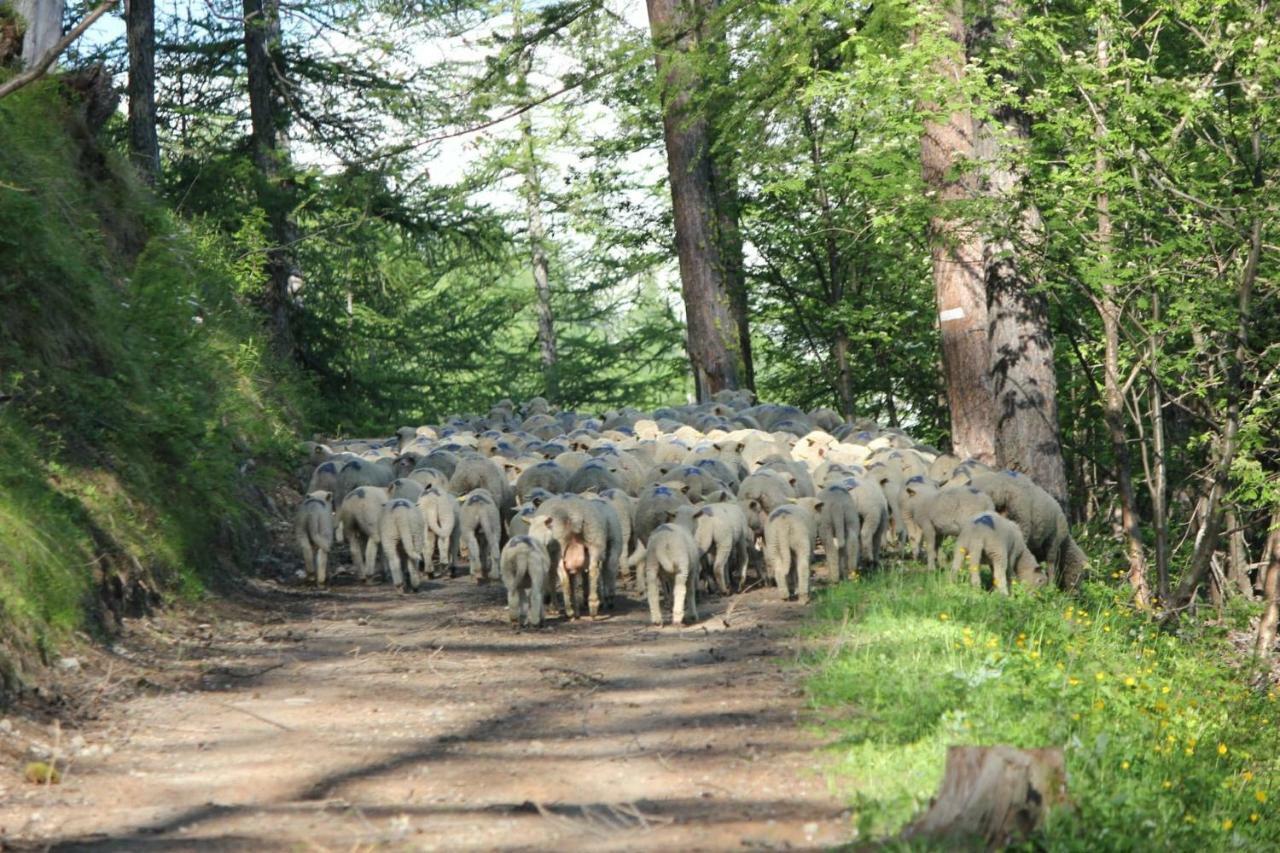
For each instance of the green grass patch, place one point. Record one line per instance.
(1167, 745)
(142, 410)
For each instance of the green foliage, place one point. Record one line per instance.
(1167, 746)
(135, 382)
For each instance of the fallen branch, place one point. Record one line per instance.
(44, 63)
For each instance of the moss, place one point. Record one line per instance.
(135, 384)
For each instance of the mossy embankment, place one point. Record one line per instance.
(140, 410)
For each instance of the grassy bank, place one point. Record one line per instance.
(133, 383)
(1167, 746)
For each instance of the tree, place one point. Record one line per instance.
(533, 206)
(1023, 376)
(269, 114)
(714, 345)
(140, 33)
(955, 244)
(43, 27)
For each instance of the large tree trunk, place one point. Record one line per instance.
(735, 271)
(713, 330)
(265, 68)
(533, 210)
(956, 249)
(1022, 370)
(140, 31)
(44, 27)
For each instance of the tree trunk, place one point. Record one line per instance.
(727, 205)
(268, 109)
(835, 275)
(44, 27)
(1160, 467)
(713, 331)
(1113, 395)
(992, 797)
(956, 249)
(140, 31)
(1023, 379)
(1266, 642)
(537, 232)
(1238, 555)
(1226, 444)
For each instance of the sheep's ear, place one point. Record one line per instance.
(817, 506)
(546, 521)
(792, 479)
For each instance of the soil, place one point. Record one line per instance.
(362, 718)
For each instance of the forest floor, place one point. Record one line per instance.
(360, 718)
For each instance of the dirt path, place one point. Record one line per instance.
(362, 718)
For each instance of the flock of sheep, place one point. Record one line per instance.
(686, 499)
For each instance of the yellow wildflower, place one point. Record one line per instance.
(1227, 824)
(1130, 681)
(1222, 749)
(1260, 796)
(943, 617)
(1253, 818)
(1124, 765)
(1167, 784)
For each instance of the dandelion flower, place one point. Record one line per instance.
(1124, 765)
(1222, 749)
(1131, 682)
(1253, 818)
(1227, 824)
(1167, 784)
(1101, 676)
(942, 617)
(1260, 796)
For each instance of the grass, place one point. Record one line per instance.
(136, 384)
(1167, 745)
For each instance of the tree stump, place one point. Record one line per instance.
(993, 796)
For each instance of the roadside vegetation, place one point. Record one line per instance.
(1168, 743)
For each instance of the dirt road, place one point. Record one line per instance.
(361, 718)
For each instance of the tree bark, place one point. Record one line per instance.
(269, 114)
(714, 345)
(1023, 379)
(1113, 396)
(992, 797)
(1266, 641)
(140, 33)
(44, 27)
(536, 230)
(956, 249)
(735, 271)
(1160, 465)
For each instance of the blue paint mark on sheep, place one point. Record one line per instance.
(985, 519)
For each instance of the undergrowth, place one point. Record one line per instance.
(133, 386)
(1167, 746)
